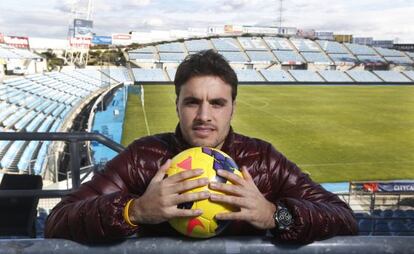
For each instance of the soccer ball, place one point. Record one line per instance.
(210, 160)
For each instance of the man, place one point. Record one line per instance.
(133, 195)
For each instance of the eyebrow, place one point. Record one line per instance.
(221, 101)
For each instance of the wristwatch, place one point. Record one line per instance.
(283, 218)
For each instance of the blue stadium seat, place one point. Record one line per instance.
(289, 57)
(248, 76)
(364, 76)
(316, 57)
(332, 47)
(277, 76)
(252, 44)
(25, 160)
(197, 45)
(41, 158)
(235, 57)
(305, 45)
(276, 43)
(225, 44)
(357, 49)
(306, 76)
(392, 76)
(171, 73)
(171, 57)
(261, 56)
(335, 76)
(155, 75)
(171, 47)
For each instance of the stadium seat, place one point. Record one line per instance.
(17, 215)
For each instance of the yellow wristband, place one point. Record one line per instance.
(126, 213)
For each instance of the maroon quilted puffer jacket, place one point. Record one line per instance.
(93, 213)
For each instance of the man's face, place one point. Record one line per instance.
(205, 109)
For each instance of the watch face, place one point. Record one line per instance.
(284, 217)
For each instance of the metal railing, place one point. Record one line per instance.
(246, 244)
(74, 140)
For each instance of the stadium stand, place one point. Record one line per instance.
(143, 57)
(364, 76)
(9, 52)
(40, 103)
(289, 57)
(409, 74)
(252, 43)
(171, 74)
(197, 45)
(277, 43)
(305, 45)
(171, 57)
(332, 47)
(388, 52)
(174, 47)
(260, 56)
(316, 57)
(399, 60)
(249, 76)
(392, 76)
(306, 76)
(225, 44)
(234, 57)
(154, 75)
(335, 76)
(277, 76)
(375, 59)
(119, 74)
(395, 222)
(358, 49)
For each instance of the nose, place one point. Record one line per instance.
(204, 112)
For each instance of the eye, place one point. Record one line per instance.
(190, 103)
(218, 103)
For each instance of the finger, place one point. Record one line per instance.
(233, 178)
(189, 185)
(246, 174)
(187, 213)
(161, 172)
(179, 177)
(231, 216)
(226, 188)
(231, 200)
(190, 197)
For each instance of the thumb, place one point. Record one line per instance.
(161, 172)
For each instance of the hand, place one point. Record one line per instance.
(160, 200)
(243, 193)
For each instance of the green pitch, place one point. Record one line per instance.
(335, 133)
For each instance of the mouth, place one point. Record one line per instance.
(203, 131)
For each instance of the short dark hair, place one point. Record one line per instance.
(204, 63)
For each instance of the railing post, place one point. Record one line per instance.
(75, 164)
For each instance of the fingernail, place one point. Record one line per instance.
(219, 171)
(213, 184)
(199, 171)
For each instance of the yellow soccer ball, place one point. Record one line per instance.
(210, 160)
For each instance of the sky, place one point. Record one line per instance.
(381, 19)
